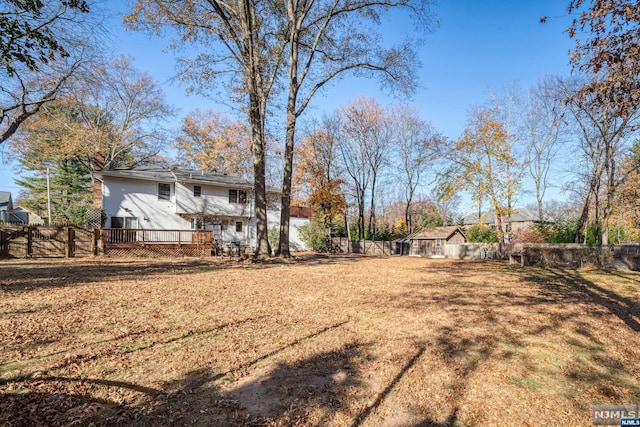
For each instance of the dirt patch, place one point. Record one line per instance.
(316, 340)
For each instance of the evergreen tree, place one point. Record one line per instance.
(69, 187)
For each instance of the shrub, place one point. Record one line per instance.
(480, 233)
(273, 234)
(314, 235)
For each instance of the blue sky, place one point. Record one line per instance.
(479, 45)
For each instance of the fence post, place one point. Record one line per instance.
(69, 242)
(29, 240)
(95, 235)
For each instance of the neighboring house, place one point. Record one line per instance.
(521, 219)
(6, 204)
(430, 242)
(20, 215)
(177, 199)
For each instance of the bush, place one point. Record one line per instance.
(561, 230)
(314, 235)
(480, 233)
(273, 234)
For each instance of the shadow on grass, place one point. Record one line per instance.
(362, 416)
(20, 276)
(81, 358)
(567, 286)
(487, 323)
(313, 388)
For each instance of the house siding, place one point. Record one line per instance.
(139, 198)
(213, 200)
(130, 197)
(422, 246)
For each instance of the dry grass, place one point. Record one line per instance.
(342, 341)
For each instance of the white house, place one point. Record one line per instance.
(177, 199)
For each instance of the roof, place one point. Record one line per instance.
(5, 200)
(158, 173)
(518, 215)
(435, 233)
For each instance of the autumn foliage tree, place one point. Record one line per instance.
(114, 110)
(604, 133)
(481, 162)
(316, 172)
(114, 113)
(607, 35)
(628, 198)
(212, 141)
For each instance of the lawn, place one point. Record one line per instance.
(319, 340)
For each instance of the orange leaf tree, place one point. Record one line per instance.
(212, 141)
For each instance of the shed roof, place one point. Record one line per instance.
(436, 233)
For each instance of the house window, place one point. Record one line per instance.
(124, 222)
(239, 227)
(238, 196)
(197, 191)
(197, 224)
(438, 243)
(164, 191)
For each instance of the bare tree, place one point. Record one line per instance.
(42, 45)
(242, 41)
(353, 157)
(329, 38)
(367, 134)
(605, 133)
(507, 108)
(542, 128)
(111, 109)
(414, 144)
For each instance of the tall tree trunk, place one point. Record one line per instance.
(584, 216)
(263, 249)
(611, 188)
(372, 211)
(285, 213)
(361, 222)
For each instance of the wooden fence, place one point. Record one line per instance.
(369, 247)
(70, 241)
(615, 257)
(47, 241)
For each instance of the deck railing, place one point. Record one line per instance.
(155, 237)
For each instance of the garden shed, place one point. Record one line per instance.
(430, 242)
